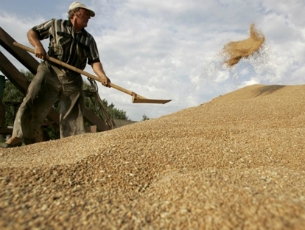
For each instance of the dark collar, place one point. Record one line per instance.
(69, 23)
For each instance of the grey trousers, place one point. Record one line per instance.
(50, 84)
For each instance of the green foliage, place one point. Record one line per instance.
(12, 99)
(116, 113)
(93, 103)
(145, 118)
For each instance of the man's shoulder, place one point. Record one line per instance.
(87, 34)
(63, 22)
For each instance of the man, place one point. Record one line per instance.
(72, 44)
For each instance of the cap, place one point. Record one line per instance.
(75, 5)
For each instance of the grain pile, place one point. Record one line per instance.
(243, 49)
(236, 162)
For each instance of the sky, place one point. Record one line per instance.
(172, 49)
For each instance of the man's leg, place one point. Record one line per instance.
(35, 106)
(71, 114)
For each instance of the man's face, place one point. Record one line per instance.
(83, 17)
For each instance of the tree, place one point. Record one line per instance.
(12, 99)
(145, 118)
(93, 102)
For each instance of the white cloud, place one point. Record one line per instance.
(252, 81)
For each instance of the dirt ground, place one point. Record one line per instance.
(236, 162)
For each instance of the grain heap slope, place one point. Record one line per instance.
(234, 162)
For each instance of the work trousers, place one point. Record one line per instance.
(50, 84)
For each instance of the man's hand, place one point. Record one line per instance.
(105, 81)
(40, 52)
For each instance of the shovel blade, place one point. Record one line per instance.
(153, 101)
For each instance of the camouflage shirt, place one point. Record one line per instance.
(73, 48)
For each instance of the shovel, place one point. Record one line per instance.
(136, 98)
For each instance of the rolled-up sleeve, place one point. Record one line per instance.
(43, 30)
(94, 55)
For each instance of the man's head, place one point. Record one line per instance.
(76, 6)
(79, 15)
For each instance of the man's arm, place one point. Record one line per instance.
(99, 71)
(35, 42)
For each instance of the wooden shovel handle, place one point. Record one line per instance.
(79, 71)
